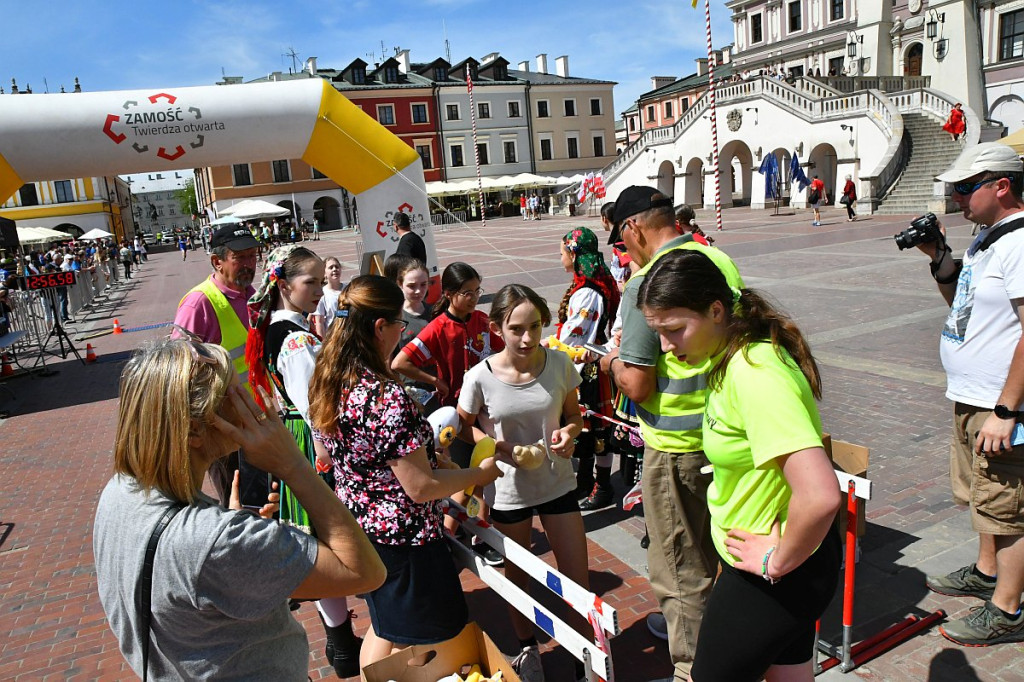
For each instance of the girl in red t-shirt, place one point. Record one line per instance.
(456, 339)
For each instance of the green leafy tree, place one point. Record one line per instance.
(186, 197)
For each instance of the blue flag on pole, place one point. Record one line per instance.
(796, 173)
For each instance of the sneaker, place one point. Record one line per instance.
(600, 497)
(657, 625)
(983, 626)
(963, 582)
(491, 556)
(528, 666)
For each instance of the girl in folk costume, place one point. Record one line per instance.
(956, 124)
(585, 315)
(281, 350)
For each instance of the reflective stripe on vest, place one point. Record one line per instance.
(671, 419)
(233, 333)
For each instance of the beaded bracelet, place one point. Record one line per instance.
(764, 566)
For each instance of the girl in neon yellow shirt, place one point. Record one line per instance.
(774, 494)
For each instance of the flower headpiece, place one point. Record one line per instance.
(274, 271)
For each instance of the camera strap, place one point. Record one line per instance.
(997, 234)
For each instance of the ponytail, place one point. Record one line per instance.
(687, 278)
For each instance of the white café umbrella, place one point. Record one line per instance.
(225, 220)
(251, 209)
(95, 234)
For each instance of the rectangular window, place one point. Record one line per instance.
(419, 113)
(28, 195)
(668, 109)
(570, 107)
(481, 154)
(836, 7)
(424, 151)
(795, 16)
(509, 146)
(542, 108)
(386, 114)
(483, 109)
(63, 190)
(598, 145)
(756, 32)
(632, 124)
(242, 176)
(281, 171)
(452, 112)
(650, 114)
(1011, 35)
(835, 66)
(573, 146)
(456, 151)
(796, 71)
(513, 110)
(545, 149)
(684, 104)
(170, 210)
(595, 106)
(317, 175)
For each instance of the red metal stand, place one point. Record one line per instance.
(850, 655)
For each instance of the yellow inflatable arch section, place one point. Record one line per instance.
(72, 135)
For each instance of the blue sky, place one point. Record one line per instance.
(113, 45)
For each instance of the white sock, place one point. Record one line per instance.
(334, 610)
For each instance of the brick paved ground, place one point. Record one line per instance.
(870, 311)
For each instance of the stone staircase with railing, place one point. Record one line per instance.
(931, 152)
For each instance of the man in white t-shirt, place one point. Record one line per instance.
(982, 351)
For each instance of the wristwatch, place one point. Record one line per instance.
(1004, 412)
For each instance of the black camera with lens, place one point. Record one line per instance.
(923, 230)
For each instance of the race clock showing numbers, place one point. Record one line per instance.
(49, 280)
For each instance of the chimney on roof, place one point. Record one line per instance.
(542, 63)
(661, 81)
(311, 65)
(524, 67)
(702, 66)
(78, 86)
(403, 61)
(726, 55)
(562, 66)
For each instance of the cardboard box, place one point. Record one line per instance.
(853, 459)
(471, 646)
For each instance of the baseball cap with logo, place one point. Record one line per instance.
(235, 237)
(635, 199)
(988, 157)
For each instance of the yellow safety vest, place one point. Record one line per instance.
(672, 416)
(233, 333)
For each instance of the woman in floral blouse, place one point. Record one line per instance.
(387, 471)
(586, 315)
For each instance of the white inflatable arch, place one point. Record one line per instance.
(72, 135)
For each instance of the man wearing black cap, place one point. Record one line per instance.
(410, 244)
(216, 311)
(670, 399)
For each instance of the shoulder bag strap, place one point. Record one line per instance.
(143, 595)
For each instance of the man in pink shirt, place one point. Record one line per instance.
(215, 310)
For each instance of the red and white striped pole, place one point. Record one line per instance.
(714, 116)
(476, 149)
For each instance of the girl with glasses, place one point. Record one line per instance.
(382, 449)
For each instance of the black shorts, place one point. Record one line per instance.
(421, 601)
(566, 504)
(750, 625)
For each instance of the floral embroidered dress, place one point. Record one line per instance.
(378, 423)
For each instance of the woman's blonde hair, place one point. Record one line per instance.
(163, 388)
